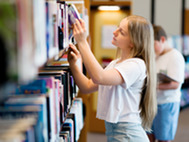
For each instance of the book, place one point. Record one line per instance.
(163, 78)
(64, 77)
(34, 87)
(69, 123)
(77, 110)
(20, 128)
(31, 100)
(19, 119)
(51, 29)
(73, 14)
(51, 106)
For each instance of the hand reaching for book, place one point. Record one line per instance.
(73, 55)
(79, 31)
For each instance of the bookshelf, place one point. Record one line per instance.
(185, 85)
(38, 96)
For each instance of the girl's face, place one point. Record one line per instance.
(121, 37)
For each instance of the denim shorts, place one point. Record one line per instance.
(125, 132)
(165, 123)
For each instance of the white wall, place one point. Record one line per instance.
(187, 4)
(142, 8)
(168, 14)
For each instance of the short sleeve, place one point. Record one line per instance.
(176, 67)
(131, 71)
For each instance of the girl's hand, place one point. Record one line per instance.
(79, 31)
(73, 55)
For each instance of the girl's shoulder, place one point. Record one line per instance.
(136, 60)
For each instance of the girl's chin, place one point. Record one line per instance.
(113, 42)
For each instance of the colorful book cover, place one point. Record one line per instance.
(73, 14)
(51, 110)
(34, 87)
(69, 123)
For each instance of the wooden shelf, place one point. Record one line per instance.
(111, 2)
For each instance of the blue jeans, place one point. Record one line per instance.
(125, 132)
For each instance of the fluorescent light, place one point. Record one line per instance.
(106, 8)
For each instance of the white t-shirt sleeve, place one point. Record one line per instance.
(176, 67)
(131, 71)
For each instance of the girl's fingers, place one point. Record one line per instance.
(78, 24)
(73, 54)
(82, 23)
(74, 49)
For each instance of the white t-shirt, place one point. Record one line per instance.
(172, 63)
(120, 103)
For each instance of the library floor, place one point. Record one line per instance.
(182, 134)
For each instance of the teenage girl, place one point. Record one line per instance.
(127, 86)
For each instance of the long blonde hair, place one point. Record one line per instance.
(141, 35)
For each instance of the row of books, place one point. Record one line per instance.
(50, 100)
(24, 122)
(34, 31)
(184, 98)
(187, 67)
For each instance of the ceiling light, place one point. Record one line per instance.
(109, 8)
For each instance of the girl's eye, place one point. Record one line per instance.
(121, 32)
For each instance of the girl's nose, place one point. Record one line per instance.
(116, 32)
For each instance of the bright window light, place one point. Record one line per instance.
(107, 8)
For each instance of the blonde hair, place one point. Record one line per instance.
(141, 35)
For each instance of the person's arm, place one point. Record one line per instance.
(85, 85)
(168, 86)
(95, 70)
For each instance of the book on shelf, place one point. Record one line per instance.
(39, 30)
(66, 130)
(72, 117)
(63, 77)
(163, 78)
(41, 131)
(52, 28)
(51, 107)
(51, 89)
(69, 86)
(34, 87)
(73, 14)
(69, 123)
(77, 110)
(19, 128)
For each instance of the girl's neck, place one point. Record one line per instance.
(123, 58)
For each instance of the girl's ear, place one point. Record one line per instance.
(131, 44)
